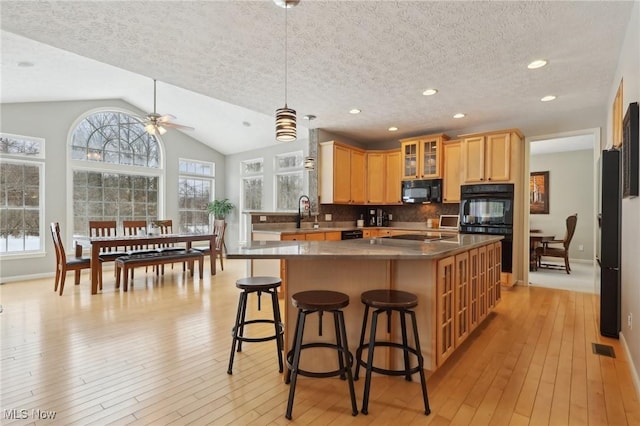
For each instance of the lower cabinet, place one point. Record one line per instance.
(467, 289)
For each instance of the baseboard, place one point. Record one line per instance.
(632, 367)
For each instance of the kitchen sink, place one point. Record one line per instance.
(421, 237)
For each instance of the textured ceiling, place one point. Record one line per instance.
(222, 63)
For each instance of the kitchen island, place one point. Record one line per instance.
(456, 278)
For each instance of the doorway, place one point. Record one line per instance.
(571, 163)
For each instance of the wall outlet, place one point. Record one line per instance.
(263, 218)
(630, 320)
(390, 216)
(580, 247)
(327, 217)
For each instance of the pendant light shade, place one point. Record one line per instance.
(286, 124)
(286, 117)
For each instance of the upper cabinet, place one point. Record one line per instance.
(422, 156)
(342, 174)
(487, 157)
(383, 177)
(452, 170)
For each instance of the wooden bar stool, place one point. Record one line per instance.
(320, 301)
(257, 285)
(389, 301)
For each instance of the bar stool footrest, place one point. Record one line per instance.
(338, 372)
(258, 339)
(388, 372)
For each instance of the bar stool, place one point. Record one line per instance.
(320, 301)
(388, 301)
(257, 285)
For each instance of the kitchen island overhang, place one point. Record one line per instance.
(456, 281)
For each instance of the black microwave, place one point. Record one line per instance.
(422, 191)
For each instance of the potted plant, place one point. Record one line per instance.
(220, 208)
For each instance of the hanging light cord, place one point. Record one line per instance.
(285, 53)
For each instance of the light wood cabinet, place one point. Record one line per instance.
(466, 291)
(342, 174)
(383, 177)
(452, 170)
(487, 157)
(376, 177)
(393, 177)
(422, 156)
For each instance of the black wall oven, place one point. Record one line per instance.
(488, 209)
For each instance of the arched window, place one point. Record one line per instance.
(117, 170)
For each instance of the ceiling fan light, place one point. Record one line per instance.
(150, 128)
(285, 124)
(161, 130)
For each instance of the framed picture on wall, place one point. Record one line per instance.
(630, 157)
(539, 193)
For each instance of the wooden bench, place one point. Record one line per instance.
(156, 258)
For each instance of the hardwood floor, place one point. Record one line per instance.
(159, 353)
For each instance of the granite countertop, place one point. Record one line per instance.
(367, 249)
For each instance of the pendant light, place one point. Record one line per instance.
(309, 162)
(286, 117)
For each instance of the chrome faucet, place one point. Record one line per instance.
(299, 217)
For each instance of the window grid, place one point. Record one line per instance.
(195, 186)
(124, 177)
(289, 180)
(21, 190)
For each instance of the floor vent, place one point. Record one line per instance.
(604, 350)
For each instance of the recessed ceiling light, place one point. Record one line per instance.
(355, 111)
(459, 115)
(548, 98)
(25, 64)
(430, 92)
(538, 63)
(393, 129)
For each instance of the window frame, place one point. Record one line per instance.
(40, 162)
(211, 178)
(96, 166)
(287, 171)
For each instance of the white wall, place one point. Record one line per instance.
(570, 191)
(629, 70)
(52, 121)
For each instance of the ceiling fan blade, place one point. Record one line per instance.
(166, 117)
(177, 126)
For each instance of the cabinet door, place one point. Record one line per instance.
(292, 237)
(451, 173)
(333, 236)
(473, 159)
(357, 177)
(314, 236)
(409, 160)
(498, 267)
(482, 283)
(375, 177)
(461, 284)
(445, 309)
(498, 157)
(474, 285)
(341, 174)
(430, 158)
(491, 277)
(393, 176)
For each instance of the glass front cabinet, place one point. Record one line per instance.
(422, 157)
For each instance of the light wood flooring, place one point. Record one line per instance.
(158, 355)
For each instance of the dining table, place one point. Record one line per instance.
(146, 240)
(537, 237)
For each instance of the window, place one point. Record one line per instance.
(116, 170)
(195, 191)
(252, 180)
(21, 194)
(289, 180)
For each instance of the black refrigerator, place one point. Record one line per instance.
(610, 244)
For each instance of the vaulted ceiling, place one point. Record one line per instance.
(220, 64)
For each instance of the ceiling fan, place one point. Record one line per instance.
(156, 124)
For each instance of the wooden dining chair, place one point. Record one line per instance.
(135, 227)
(558, 248)
(106, 228)
(165, 227)
(219, 228)
(64, 264)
